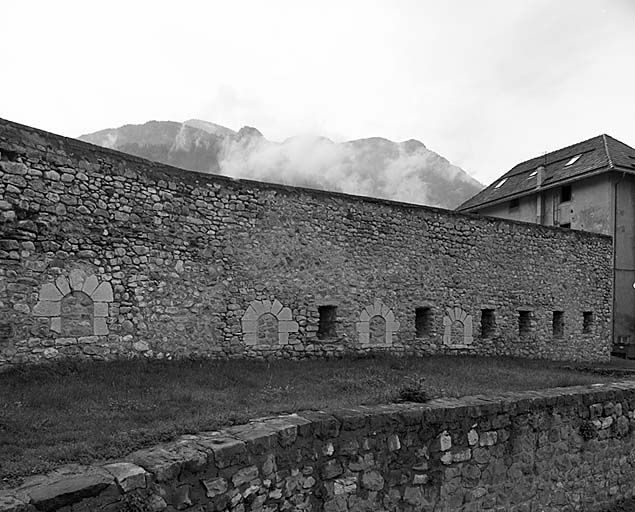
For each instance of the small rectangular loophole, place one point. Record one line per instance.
(423, 322)
(524, 323)
(558, 324)
(327, 326)
(488, 323)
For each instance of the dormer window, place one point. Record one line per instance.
(572, 161)
(500, 183)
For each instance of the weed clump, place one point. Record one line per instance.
(414, 390)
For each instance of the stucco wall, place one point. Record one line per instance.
(555, 450)
(106, 255)
(624, 211)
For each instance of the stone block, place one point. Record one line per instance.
(56, 324)
(10, 502)
(88, 340)
(331, 469)
(251, 315)
(363, 327)
(261, 307)
(227, 451)
(50, 292)
(47, 308)
(287, 326)
(127, 475)
(250, 338)
(393, 443)
(392, 326)
(245, 475)
(66, 486)
(285, 314)
(159, 462)
(103, 293)
(141, 346)
(249, 325)
(276, 308)
(100, 309)
(90, 285)
(442, 443)
(63, 342)
(215, 486)
(50, 353)
(63, 285)
(372, 480)
(76, 279)
(488, 438)
(100, 327)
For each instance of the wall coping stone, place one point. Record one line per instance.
(72, 483)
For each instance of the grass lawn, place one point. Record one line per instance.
(83, 412)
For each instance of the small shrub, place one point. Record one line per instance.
(413, 390)
(588, 430)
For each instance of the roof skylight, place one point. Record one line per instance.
(573, 160)
(500, 183)
(532, 174)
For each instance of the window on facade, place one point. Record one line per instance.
(566, 225)
(524, 323)
(587, 322)
(488, 323)
(565, 194)
(513, 204)
(423, 322)
(558, 324)
(327, 326)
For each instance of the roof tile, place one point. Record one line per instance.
(599, 152)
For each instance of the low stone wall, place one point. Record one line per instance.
(562, 449)
(105, 255)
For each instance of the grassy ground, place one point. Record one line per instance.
(83, 412)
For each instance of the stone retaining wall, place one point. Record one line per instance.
(105, 255)
(558, 450)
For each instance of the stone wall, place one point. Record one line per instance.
(105, 255)
(556, 450)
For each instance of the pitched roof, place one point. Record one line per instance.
(601, 153)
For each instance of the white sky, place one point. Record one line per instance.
(485, 83)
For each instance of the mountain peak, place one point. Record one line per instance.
(206, 126)
(412, 145)
(376, 167)
(249, 132)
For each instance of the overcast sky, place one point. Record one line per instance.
(485, 83)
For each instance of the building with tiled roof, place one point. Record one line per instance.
(588, 186)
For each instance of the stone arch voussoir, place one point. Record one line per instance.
(51, 295)
(256, 309)
(453, 316)
(363, 326)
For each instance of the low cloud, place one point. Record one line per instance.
(371, 167)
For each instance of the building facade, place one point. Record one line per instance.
(589, 186)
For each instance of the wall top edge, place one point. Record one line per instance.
(85, 150)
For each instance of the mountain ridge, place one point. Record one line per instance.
(404, 171)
